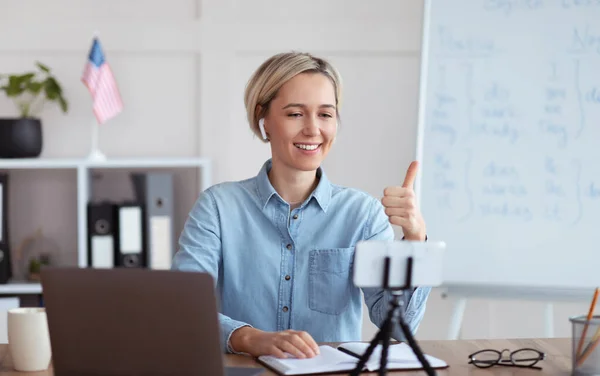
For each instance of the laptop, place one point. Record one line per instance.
(133, 322)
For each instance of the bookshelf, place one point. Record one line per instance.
(84, 169)
(20, 288)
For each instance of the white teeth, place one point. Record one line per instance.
(306, 147)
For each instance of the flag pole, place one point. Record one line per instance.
(95, 153)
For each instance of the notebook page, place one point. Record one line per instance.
(329, 360)
(400, 356)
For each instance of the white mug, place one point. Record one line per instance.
(29, 339)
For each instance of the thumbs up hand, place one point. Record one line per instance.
(401, 206)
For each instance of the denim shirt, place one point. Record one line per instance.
(277, 269)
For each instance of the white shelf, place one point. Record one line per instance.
(148, 163)
(83, 168)
(65, 163)
(20, 288)
(34, 163)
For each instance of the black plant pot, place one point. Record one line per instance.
(20, 138)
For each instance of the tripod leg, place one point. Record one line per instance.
(382, 336)
(386, 330)
(415, 347)
(367, 354)
(384, 349)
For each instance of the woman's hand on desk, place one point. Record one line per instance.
(257, 342)
(401, 206)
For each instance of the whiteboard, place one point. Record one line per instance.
(509, 140)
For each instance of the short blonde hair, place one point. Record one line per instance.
(266, 81)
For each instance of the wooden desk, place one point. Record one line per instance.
(557, 362)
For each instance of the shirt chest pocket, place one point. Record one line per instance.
(330, 283)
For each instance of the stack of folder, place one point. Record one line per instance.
(138, 233)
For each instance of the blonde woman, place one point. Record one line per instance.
(280, 244)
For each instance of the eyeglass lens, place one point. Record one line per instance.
(525, 357)
(486, 358)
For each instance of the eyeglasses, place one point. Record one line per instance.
(524, 358)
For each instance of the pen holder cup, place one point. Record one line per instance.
(585, 346)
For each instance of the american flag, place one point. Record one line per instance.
(100, 81)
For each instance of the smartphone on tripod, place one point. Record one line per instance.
(396, 266)
(427, 263)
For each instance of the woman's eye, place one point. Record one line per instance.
(327, 115)
(295, 115)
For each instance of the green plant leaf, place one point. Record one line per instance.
(63, 104)
(14, 87)
(42, 67)
(14, 91)
(52, 89)
(14, 81)
(35, 87)
(24, 78)
(34, 266)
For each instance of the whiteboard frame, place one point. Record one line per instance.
(423, 80)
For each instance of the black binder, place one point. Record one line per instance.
(5, 264)
(102, 228)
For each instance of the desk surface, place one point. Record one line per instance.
(455, 353)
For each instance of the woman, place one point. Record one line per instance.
(280, 245)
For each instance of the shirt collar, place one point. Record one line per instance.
(322, 193)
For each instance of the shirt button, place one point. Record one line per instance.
(285, 309)
(287, 277)
(289, 246)
(295, 216)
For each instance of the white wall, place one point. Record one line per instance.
(182, 66)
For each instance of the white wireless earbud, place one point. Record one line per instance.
(261, 126)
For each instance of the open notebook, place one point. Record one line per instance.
(345, 357)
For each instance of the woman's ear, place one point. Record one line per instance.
(261, 122)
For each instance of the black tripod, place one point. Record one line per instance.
(385, 331)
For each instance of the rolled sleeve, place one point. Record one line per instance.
(228, 326)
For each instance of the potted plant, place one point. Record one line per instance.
(35, 266)
(21, 137)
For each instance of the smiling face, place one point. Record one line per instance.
(301, 121)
